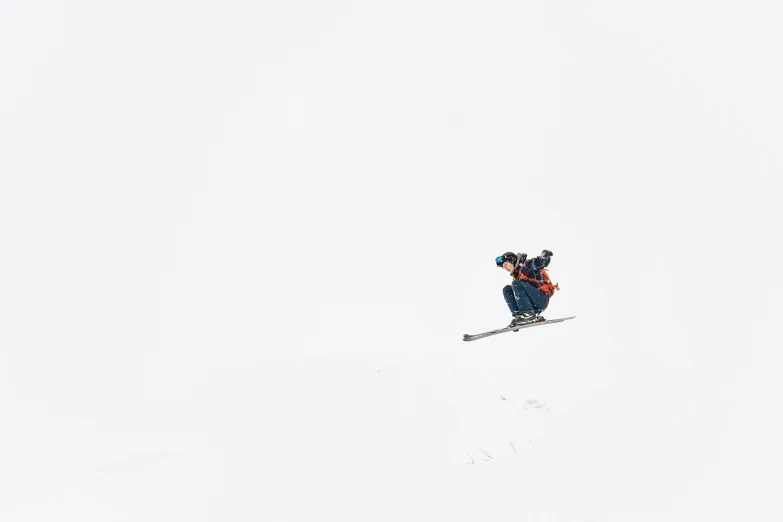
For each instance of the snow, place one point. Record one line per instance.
(242, 241)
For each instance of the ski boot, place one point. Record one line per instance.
(526, 318)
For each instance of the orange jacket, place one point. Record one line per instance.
(533, 271)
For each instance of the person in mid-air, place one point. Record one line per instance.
(528, 295)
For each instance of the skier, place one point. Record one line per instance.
(528, 295)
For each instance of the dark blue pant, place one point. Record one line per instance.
(521, 296)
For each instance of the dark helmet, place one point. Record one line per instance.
(511, 257)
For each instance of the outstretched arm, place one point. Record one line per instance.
(537, 263)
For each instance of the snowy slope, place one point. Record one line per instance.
(242, 242)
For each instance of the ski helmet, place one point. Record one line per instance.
(511, 257)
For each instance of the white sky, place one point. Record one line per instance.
(242, 241)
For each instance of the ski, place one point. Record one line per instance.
(469, 337)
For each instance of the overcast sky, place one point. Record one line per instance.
(242, 241)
